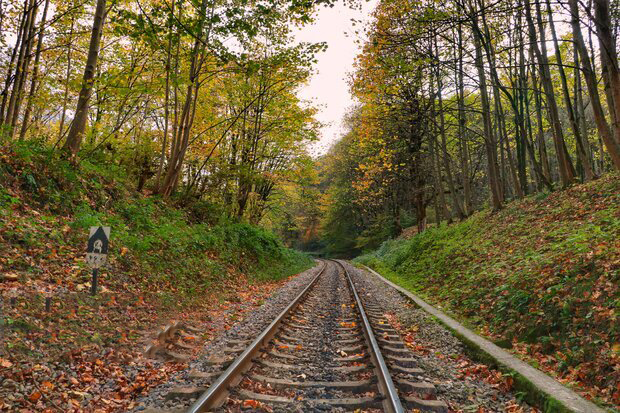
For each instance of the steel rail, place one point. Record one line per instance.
(392, 403)
(217, 392)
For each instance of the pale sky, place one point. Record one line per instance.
(328, 88)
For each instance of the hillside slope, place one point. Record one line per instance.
(541, 277)
(47, 206)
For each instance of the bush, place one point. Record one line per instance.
(165, 244)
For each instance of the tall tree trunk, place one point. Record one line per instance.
(463, 147)
(520, 95)
(164, 144)
(458, 209)
(501, 126)
(441, 207)
(490, 143)
(22, 65)
(78, 126)
(535, 165)
(581, 148)
(21, 85)
(565, 166)
(35, 73)
(181, 135)
(9, 71)
(540, 135)
(611, 143)
(65, 99)
(609, 62)
(580, 107)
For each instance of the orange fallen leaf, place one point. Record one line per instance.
(35, 396)
(251, 404)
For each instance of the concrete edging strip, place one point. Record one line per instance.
(544, 383)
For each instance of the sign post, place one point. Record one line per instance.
(97, 252)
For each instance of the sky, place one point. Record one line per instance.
(328, 88)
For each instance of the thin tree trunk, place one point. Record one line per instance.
(581, 149)
(21, 66)
(580, 107)
(501, 125)
(611, 144)
(520, 95)
(539, 175)
(35, 73)
(464, 150)
(24, 77)
(420, 208)
(444, 146)
(78, 126)
(65, 98)
(565, 166)
(540, 135)
(164, 144)
(9, 72)
(490, 143)
(609, 62)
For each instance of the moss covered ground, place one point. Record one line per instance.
(540, 277)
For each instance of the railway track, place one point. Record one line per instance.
(327, 350)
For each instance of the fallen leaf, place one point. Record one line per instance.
(47, 386)
(251, 404)
(35, 396)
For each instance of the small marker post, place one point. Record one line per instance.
(48, 304)
(93, 286)
(97, 252)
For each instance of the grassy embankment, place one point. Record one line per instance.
(165, 257)
(540, 277)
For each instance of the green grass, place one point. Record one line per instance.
(48, 205)
(542, 273)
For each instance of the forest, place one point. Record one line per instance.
(478, 166)
(468, 104)
(191, 100)
(459, 105)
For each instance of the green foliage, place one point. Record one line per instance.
(154, 243)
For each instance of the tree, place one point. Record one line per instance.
(78, 126)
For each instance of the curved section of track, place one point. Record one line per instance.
(327, 351)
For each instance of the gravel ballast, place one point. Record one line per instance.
(440, 354)
(250, 327)
(466, 386)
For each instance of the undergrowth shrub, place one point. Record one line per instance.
(186, 246)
